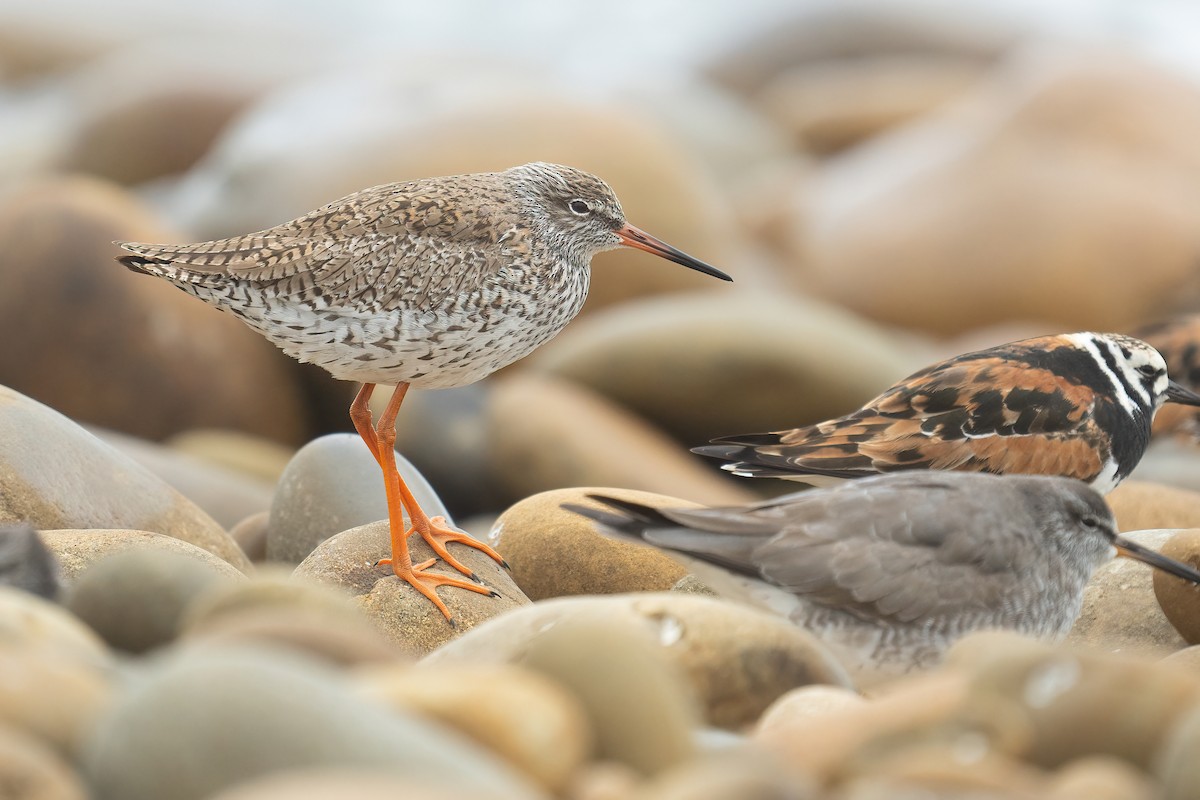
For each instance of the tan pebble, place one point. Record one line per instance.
(250, 533)
(1120, 613)
(604, 780)
(51, 697)
(1078, 702)
(1176, 766)
(637, 701)
(340, 642)
(532, 721)
(32, 624)
(735, 659)
(563, 434)
(1139, 505)
(29, 770)
(1187, 658)
(1100, 778)
(739, 774)
(359, 783)
(1179, 599)
(554, 552)
(822, 744)
(272, 588)
(346, 561)
(135, 598)
(806, 703)
(78, 550)
(955, 762)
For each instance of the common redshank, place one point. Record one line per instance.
(1077, 405)
(431, 283)
(891, 570)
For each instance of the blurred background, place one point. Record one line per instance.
(888, 182)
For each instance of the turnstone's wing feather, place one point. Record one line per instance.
(987, 413)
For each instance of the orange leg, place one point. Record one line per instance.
(381, 441)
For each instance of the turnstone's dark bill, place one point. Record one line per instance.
(1178, 340)
(890, 570)
(1078, 405)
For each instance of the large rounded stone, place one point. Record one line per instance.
(1047, 182)
(78, 550)
(549, 433)
(222, 493)
(531, 721)
(136, 598)
(125, 351)
(361, 783)
(205, 720)
(700, 367)
(737, 660)
(54, 474)
(1100, 778)
(1177, 768)
(332, 484)
(408, 617)
(1180, 599)
(1138, 505)
(555, 552)
(1120, 612)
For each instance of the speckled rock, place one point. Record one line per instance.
(1075, 702)
(1065, 201)
(736, 362)
(56, 475)
(554, 552)
(533, 722)
(26, 563)
(58, 672)
(1120, 612)
(225, 495)
(172, 734)
(330, 485)
(1138, 505)
(78, 550)
(1179, 599)
(737, 660)
(563, 434)
(124, 351)
(135, 598)
(347, 561)
(29, 770)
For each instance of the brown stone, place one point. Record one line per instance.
(554, 552)
(737, 660)
(1177, 769)
(1138, 505)
(346, 561)
(806, 702)
(361, 783)
(548, 433)
(78, 550)
(124, 351)
(250, 533)
(531, 721)
(29, 770)
(1100, 778)
(55, 475)
(1180, 599)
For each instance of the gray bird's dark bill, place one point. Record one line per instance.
(1155, 559)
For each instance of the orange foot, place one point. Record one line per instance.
(439, 533)
(426, 583)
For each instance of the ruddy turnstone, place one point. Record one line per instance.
(1078, 405)
(1178, 340)
(890, 570)
(430, 283)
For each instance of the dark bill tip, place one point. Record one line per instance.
(1181, 395)
(1133, 550)
(635, 237)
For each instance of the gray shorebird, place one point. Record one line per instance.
(430, 283)
(1079, 405)
(893, 569)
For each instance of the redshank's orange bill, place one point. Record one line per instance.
(632, 236)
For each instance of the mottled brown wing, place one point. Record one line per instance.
(987, 414)
(903, 548)
(393, 242)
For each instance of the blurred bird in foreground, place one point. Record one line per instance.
(431, 283)
(890, 570)
(1078, 405)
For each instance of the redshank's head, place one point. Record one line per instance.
(583, 216)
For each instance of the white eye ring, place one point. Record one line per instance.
(579, 207)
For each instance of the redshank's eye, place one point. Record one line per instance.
(579, 207)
